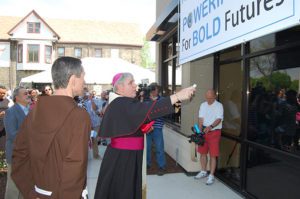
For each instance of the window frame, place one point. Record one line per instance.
(36, 27)
(28, 53)
(20, 53)
(50, 58)
(80, 49)
(99, 50)
(64, 50)
(170, 55)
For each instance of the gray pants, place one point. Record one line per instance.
(11, 191)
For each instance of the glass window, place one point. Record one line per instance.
(170, 78)
(288, 36)
(77, 52)
(37, 27)
(271, 175)
(33, 53)
(229, 160)
(273, 105)
(174, 85)
(276, 39)
(262, 43)
(98, 52)
(230, 95)
(30, 27)
(229, 53)
(177, 106)
(170, 50)
(48, 54)
(33, 27)
(178, 77)
(61, 51)
(20, 53)
(172, 73)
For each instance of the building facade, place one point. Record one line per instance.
(256, 78)
(30, 45)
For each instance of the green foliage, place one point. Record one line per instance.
(276, 80)
(295, 85)
(145, 55)
(280, 80)
(3, 164)
(253, 82)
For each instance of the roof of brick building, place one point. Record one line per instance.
(84, 31)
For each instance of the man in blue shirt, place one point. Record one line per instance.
(156, 136)
(13, 120)
(94, 107)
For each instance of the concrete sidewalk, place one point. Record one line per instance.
(176, 186)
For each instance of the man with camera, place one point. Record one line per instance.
(210, 122)
(156, 135)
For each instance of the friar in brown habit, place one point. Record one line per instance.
(51, 148)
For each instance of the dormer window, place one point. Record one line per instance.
(33, 27)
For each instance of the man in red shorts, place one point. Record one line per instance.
(210, 121)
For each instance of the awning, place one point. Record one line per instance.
(165, 22)
(100, 71)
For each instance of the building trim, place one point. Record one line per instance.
(38, 16)
(160, 27)
(104, 44)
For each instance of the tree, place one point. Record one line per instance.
(295, 85)
(145, 55)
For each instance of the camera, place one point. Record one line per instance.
(144, 91)
(197, 136)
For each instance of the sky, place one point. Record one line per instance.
(135, 11)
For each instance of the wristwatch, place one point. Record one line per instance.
(211, 126)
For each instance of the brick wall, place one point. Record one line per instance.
(132, 55)
(4, 76)
(10, 77)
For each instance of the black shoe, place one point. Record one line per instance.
(161, 172)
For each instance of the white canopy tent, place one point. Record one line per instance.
(100, 71)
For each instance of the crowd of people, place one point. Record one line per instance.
(48, 133)
(274, 118)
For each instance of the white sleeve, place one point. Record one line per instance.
(220, 112)
(11, 103)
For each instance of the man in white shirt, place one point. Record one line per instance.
(210, 122)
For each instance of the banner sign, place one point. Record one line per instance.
(207, 26)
